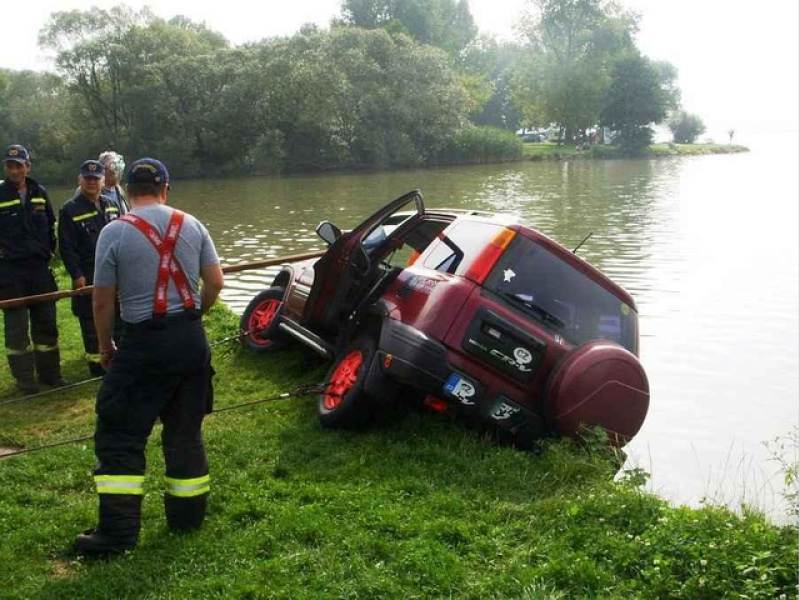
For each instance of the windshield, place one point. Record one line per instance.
(561, 298)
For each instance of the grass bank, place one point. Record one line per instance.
(417, 508)
(549, 151)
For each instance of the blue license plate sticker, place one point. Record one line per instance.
(460, 388)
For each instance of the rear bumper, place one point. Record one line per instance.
(409, 357)
(412, 358)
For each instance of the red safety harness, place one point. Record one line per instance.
(167, 265)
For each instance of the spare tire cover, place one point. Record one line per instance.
(598, 383)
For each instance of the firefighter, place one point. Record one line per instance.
(79, 223)
(154, 258)
(27, 242)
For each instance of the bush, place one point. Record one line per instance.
(685, 127)
(481, 145)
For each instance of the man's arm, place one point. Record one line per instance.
(67, 247)
(213, 281)
(51, 217)
(103, 299)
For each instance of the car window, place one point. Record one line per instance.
(462, 243)
(382, 230)
(560, 297)
(414, 242)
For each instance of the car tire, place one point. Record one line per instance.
(261, 316)
(344, 403)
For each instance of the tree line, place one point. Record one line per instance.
(391, 83)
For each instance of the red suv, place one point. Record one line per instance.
(484, 316)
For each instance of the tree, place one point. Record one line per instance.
(357, 98)
(491, 63)
(571, 46)
(142, 83)
(447, 24)
(35, 111)
(685, 127)
(641, 93)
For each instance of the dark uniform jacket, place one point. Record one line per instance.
(79, 225)
(27, 225)
(116, 194)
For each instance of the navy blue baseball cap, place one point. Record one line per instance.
(93, 168)
(148, 170)
(17, 153)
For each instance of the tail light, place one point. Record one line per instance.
(481, 267)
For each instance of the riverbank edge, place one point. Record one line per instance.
(417, 505)
(543, 152)
(536, 152)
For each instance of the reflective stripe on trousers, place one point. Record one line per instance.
(187, 488)
(120, 484)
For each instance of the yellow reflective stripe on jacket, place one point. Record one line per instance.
(120, 484)
(10, 203)
(187, 488)
(14, 352)
(44, 347)
(38, 201)
(85, 216)
(112, 209)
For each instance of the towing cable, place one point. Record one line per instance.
(302, 390)
(78, 384)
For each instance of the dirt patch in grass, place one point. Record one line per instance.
(61, 569)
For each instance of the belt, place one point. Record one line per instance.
(185, 316)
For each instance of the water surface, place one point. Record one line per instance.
(708, 247)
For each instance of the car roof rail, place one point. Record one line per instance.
(470, 212)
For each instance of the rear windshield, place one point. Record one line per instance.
(559, 297)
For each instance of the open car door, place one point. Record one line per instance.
(348, 263)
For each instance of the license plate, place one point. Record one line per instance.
(461, 388)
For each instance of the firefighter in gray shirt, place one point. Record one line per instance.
(154, 258)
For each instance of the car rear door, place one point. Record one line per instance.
(347, 262)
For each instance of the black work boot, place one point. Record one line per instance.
(48, 366)
(185, 514)
(22, 369)
(118, 529)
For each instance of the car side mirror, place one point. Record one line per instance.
(328, 232)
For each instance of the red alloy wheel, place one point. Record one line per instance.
(343, 379)
(261, 318)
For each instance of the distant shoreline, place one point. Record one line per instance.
(545, 151)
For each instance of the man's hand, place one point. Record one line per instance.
(79, 283)
(107, 355)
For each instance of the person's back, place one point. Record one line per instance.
(136, 266)
(154, 257)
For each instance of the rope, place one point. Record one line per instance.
(62, 294)
(303, 390)
(77, 384)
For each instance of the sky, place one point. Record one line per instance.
(737, 60)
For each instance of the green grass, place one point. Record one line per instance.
(551, 151)
(419, 507)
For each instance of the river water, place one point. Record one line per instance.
(707, 245)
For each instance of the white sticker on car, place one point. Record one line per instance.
(504, 412)
(522, 355)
